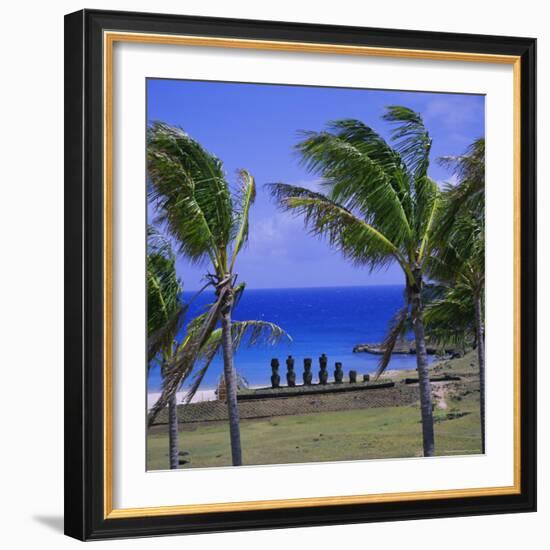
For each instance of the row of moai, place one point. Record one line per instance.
(308, 375)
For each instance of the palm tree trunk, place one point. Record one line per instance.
(481, 359)
(423, 377)
(231, 387)
(173, 432)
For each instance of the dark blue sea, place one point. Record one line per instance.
(319, 320)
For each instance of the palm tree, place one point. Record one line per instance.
(457, 315)
(469, 192)
(458, 261)
(164, 316)
(379, 207)
(210, 224)
(253, 332)
(449, 315)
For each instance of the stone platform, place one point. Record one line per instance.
(310, 399)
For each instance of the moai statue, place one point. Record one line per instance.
(323, 373)
(366, 377)
(338, 373)
(290, 375)
(352, 376)
(308, 376)
(275, 378)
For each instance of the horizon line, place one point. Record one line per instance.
(306, 287)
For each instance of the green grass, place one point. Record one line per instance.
(392, 432)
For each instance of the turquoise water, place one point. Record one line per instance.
(320, 320)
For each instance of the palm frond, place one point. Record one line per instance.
(163, 291)
(397, 329)
(354, 237)
(192, 196)
(257, 332)
(179, 368)
(369, 143)
(251, 332)
(458, 262)
(361, 175)
(158, 243)
(469, 193)
(469, 168)
(196, 382)
(246, 197)
(238, 292)
(450, 319)
(411, 139)
(460, 250)
(163, 337)
(426, 230)
(208, 352)
(164, 308)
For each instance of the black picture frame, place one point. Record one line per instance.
(84, 282)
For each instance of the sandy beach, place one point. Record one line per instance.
(201, 395)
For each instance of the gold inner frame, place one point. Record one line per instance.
(109, 39)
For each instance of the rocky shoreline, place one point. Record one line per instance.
(406, 347)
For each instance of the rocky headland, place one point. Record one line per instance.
(405, 347)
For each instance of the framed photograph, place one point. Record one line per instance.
(300, 274)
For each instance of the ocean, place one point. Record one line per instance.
(319, 320)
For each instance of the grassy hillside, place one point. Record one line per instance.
(388, 432)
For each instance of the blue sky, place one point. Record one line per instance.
(255, 126)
